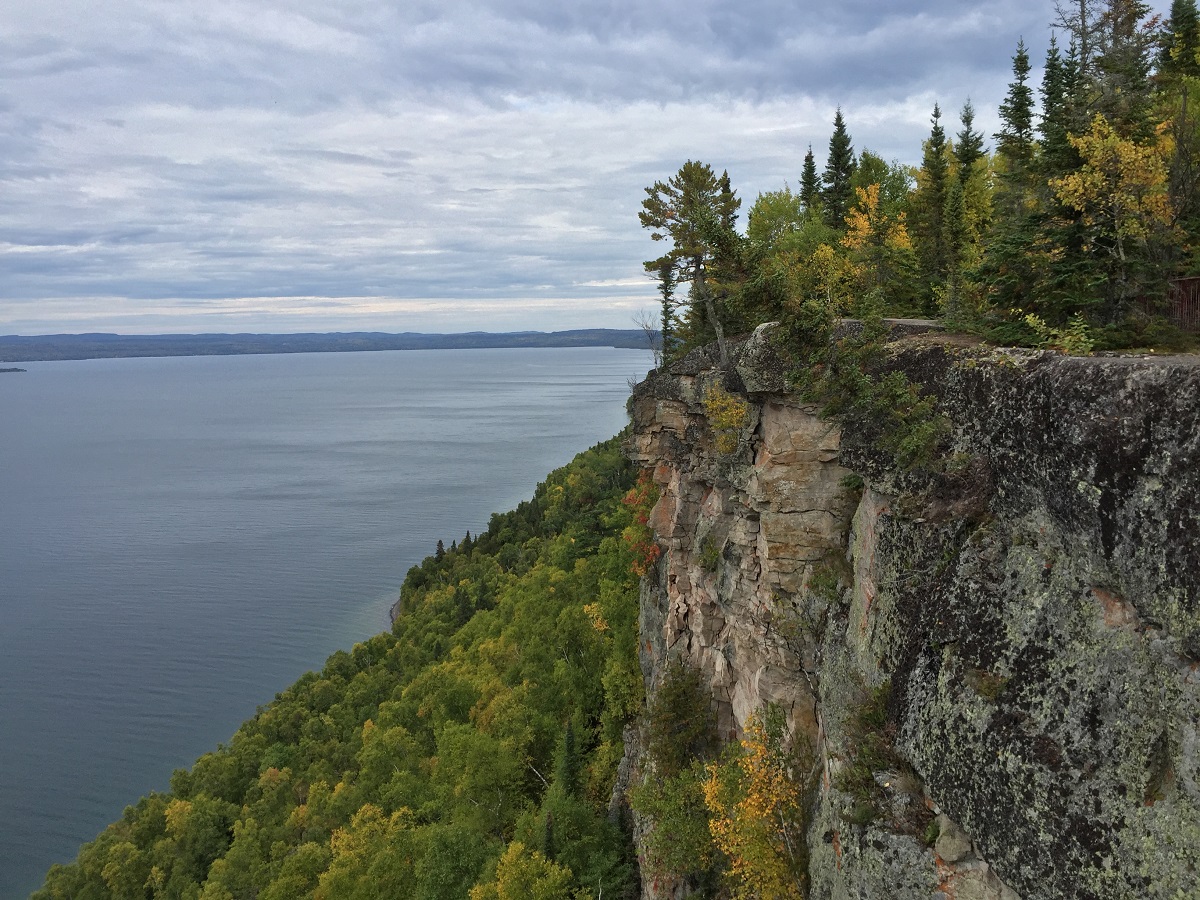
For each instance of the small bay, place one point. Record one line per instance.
(181, 538)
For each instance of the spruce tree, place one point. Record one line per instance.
(928, 210)
(810, 186)
(955, 235)
(969, 148)
(839, 167)
(1177, 69)
(1058, 115)
(1180, 41)
(1121, 81)
(1014, 140)
(666, 291)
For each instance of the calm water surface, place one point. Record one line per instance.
(181, 538)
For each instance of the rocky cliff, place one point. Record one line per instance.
(1023, 625)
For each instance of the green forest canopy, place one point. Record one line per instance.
(475, 745)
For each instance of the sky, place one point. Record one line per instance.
(182, 166)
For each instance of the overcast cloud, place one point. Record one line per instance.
(295, 165)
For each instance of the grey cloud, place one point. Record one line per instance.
(416, 151)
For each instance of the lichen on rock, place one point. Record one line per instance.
(1033, 609)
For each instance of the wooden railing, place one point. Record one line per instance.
(1183, 303)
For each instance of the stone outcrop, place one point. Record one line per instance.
(1030, 614)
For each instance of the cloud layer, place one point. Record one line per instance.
(289, 165)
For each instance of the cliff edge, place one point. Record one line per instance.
(1022, 627)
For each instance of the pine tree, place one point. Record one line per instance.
(810, 186)
(839, 167)
(694, 209)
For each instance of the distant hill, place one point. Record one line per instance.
(16, 348)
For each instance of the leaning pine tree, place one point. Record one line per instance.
(695, 210)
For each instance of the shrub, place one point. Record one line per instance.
(727, 415)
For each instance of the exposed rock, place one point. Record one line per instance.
(1035, 609)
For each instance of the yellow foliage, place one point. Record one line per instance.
(176, 814)
(867, 226)
(877, 243)
(593, 611)
(525, 875)
(756, 804)
(1121, 186)
(727, 415)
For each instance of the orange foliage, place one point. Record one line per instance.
(638, 535)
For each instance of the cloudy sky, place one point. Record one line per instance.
(429, 165)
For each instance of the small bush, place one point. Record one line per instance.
(727, 415)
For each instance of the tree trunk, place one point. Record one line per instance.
(710, 309)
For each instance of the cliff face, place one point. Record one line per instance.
(1028, 620)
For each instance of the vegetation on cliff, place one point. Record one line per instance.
(470, 751)
(1079, 230)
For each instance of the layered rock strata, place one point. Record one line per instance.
(1029, 615)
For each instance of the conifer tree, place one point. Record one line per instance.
(1059, 78)
(956, 235)
(1180, 41)
(727, 204)
(810, 186)
(1178, 74)
(1080, 20)
(969, 148)
(1121, 80)
(839, 167)
(694, 209)
(1014, 140)
(666, 291)
(928, 210)
(1014, 144)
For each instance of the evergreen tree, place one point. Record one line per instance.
(1014, 140)
(810, 186)
(1121, 80)
(839, 167)
(1080, 19)
(1180, 41)
(928, 211)
(1178, 71)
(727, 204)
(694, 209)
(1059, 78)
(567, 763)
(666, 291)
(969, 148)
(1014, 144)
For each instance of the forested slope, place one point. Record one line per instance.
(473, 749)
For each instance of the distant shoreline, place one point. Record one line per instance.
(50, 347)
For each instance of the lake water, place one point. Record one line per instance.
(182, 538)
